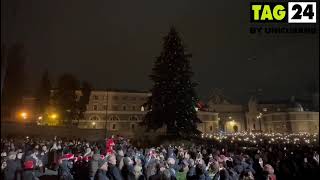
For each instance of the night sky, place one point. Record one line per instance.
(113, 44)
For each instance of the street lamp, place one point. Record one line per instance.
(53, 116)
(24, 115)
(259, 118)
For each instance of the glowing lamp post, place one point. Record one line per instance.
(24, 115)
(53, 117)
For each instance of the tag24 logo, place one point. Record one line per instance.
(290, 12)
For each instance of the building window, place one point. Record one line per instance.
(95, 107)
(94, 118)
(133, 98)
(115, 98)
(133, 118)
(254, 126)
(114, 118)
(133, 108)
(264, 109)
(211, 128)
(95, 97)
(142, 108)
(114, 126)
(104, 107)
(124, 107)
(124, 97)
(132, 126)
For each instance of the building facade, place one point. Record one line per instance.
(122, 112)
(231, 116)
(291, 122)
(285, 116)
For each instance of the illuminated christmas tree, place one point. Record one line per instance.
(173, 101)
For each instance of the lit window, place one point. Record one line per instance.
(264, 109)
(142, 108)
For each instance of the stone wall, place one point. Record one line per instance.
(49, 132)
(15, 129)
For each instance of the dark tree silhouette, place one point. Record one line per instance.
(173, 99)
(84, 99)
(44, 92)
(66, 97)
(14, 80)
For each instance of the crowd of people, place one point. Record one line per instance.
(210, 157)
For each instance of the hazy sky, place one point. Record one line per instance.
(114, 44)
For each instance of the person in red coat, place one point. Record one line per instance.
(109, 145)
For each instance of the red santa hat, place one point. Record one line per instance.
(68, 156)
(87, 158)
(79, 158)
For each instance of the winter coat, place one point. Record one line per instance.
(191, 173)
(19, 169)
(155, 177)
(128, 172)
(181, 175)
(119, 160)
(45, 159)
(10, 170)
(29, 175)
(114, 173)
(101, 175)
(94, 165)
(64, 171)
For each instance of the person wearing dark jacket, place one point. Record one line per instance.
(94, 165)
(113, 171)
(12, 167)
(64, 171)
(192, 170)
(101, 173)
(128, 170)
(200, 173)
(28, 173)
(19, 166)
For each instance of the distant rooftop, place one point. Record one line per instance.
(116, 90)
